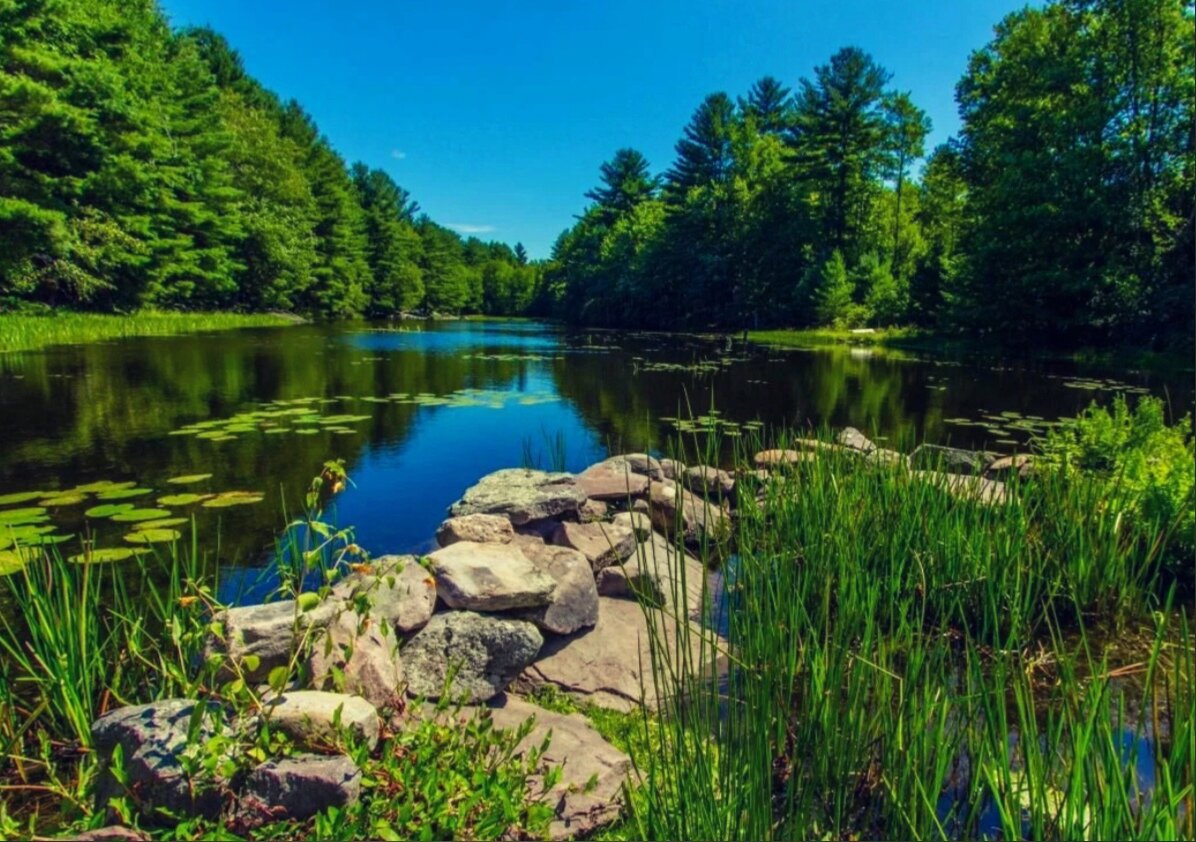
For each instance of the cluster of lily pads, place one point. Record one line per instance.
(1097, 384)
(27, 518)
(712, 422)
(305, 416)
(707, 366)
(1003, 426)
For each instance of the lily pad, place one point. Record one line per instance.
(153, 536)
(13, 560)
(188, 479)
(101, 486)
(123, 493)
(233, 498)
(28, 514)
(181, 499)
(10, 535)
(20, 497)
(163, 523)
(135, 515)
(63, 500)
(108, 510)
(108, 555)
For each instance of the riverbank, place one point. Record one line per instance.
(30, 332)
(932, 342)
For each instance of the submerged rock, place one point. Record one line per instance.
(523, 495)
(482, 653)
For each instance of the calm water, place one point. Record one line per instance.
(423, 413)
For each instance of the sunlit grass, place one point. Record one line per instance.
(25, 332)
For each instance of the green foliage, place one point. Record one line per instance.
(143, 167)
(1149, 465)
(833, 293)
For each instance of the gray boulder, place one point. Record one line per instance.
(271, 633)
(360, 656)
(573, 603)
(612, 480)
(709, 482)
(399, 591)
(151, 738)
(488, 577)
(660, 575)
(481, 653)
(298, 787)
(671, 469)
(700, 522)
(481, 529)
(313, 718)
(639, 463)
(951, 460)
(523, 495)
(602, 544)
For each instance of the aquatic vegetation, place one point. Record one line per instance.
(20, 497)
(188, 479)
(181, 499)
(135, 515)
(153, 536)
(24, 332)
(107, 555)
(232, 498)
(123, 493)
(108, 510)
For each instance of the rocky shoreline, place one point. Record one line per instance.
(537, 585)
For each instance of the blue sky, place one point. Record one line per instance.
(496, 115)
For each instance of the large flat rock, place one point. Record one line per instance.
(612, 480)
(523, 495)
(488, 577)
(610, 664)
(482, 653)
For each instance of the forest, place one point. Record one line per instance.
(1062, 213)
(142, 167)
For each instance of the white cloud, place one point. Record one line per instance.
(464, 228)
(398, 154)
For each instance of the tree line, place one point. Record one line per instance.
(141, 166)
(1062, 212)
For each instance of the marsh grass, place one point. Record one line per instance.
(29, 332)
(908, 664)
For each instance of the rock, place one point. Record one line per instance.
(658, 575)
(1020, 465)
(112, 833)
(573, 603)
(360, 656)
(481, 529)
(641, 505)
(816, 446)
(151, 738)
(852, 438)
(488, 577)
(298, 787)
(271, 633)
(588, 795)
(778, 458)
(978, 489)
(592, 511)
(602, 544)
(708, 481)
(523, 495)
(400, 591)
(612, 480)
(671, 469)
(890, 458)
(637, 522)
(639, 463)
(486, 652)
(603, 665)
(951, 460)
(310, 717)
(700, 521)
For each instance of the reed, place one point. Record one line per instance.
(29, 332)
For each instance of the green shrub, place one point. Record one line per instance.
(1150, 464)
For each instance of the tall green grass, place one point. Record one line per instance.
(28, 332)
(908, 664)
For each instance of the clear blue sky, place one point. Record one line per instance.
(496, 115)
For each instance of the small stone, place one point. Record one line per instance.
(488, 577)
(296, 788)
(311, 717)
(360, 656)
(637, 522)
(481, 529)
(612, 480)
(593, 511)
(400, 591)
(776, 458)
(482, 653)
(602, 544)
(854, 439)
(271, 633)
